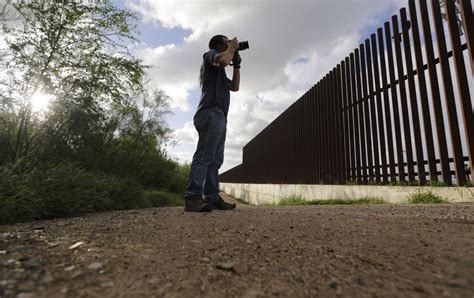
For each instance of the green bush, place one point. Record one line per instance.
(101, 140)
(424, 197)
(58, 190)
(156, 198)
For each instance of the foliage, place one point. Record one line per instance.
(157, 198)
(71, 52)
(100, 142)
(56, 190)
(424, 197)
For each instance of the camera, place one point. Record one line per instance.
(243, 45)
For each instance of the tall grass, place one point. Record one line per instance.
(65, 189)
(156, 198)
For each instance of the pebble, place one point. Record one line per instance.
(31, 264)
(107, 284)
(22, 247)
(25, 295)
(95, 266)
(69, 268)
(279, 269)
(236, 267)
(154, 280)
(76, 245)
(205, 260)
(47, 279)
(4, 283)
(241, 268)
(75, 275)
(53, 244)
(225, 266)
(360, 280)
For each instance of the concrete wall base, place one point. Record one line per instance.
(258, 194)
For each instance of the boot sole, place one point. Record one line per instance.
(204, 208)
(224, 209)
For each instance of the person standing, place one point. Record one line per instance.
(210, 121)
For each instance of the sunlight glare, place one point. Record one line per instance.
(40, 101)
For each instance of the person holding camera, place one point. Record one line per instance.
(210, 121)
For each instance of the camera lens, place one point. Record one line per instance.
(243, 45)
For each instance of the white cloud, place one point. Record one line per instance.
(185, 134)
(184, 155)
(292, 45)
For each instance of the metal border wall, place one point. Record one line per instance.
(389, 112)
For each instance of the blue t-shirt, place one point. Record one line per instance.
(215, 85)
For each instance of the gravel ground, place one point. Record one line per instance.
(291, 251)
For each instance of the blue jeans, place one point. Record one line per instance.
(209, 156)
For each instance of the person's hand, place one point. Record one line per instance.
(237, 59)
(234, 44)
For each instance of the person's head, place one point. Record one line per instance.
(219, 43)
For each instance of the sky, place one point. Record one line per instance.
(293, 44)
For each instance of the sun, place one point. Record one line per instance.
(40, 101)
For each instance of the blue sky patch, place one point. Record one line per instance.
(302, 60)
(154, 34)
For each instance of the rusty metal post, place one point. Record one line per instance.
(346, 110)
(373, 110)
(449, 94)
(361, 118)
(415, 117)
(468, 23)
(395, 109)
(435, 95)
(352, 139)
(463, 84)
(379, 103)
(428, 133)
(404, 100)
(386, 100)
(365, 103)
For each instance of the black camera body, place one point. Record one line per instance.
(243, 45)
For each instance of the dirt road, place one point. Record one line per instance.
(297, 251)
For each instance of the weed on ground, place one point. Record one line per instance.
(425, 197)
(301, 201)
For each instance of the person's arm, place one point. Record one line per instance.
(235, 84)
(223, 59)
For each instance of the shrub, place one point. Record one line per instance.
(424, 197)
(161, 198)
(57, 190)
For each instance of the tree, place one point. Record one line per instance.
(75, 53)
(100, 142)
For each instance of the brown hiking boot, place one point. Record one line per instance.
(196, 204)
(220, 204)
